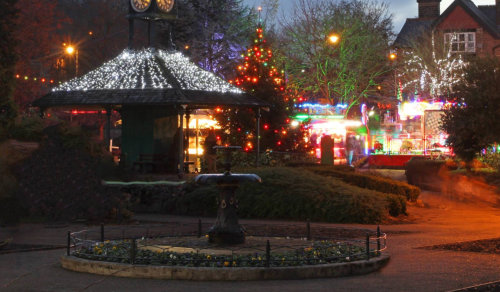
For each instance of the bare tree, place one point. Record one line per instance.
(337, 72)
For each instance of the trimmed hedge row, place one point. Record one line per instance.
(380, 184)
(289, 193)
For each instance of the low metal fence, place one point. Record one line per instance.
(184, 244)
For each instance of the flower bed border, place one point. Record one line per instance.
(225, 274)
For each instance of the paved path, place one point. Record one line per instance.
(410, 269)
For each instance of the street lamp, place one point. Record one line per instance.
(70, 50)
(393, 58)
(333, 38)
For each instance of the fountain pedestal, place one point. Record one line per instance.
(226, 229)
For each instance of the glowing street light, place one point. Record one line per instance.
(393, 56)
(333, 38)
(70, 50)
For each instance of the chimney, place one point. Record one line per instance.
(430, 8)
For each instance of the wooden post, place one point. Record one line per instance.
(102, 232)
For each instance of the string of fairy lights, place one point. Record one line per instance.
(146, 69)
(437, 76)
(37, 79)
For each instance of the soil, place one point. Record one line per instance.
(486, 246)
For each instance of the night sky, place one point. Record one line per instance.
(401, 9)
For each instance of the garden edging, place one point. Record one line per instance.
(224, 274)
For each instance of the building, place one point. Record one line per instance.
(471, 29)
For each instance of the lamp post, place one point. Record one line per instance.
(70, 50)
(393, 57)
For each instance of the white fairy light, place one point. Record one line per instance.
(146, 69)
(437, 76)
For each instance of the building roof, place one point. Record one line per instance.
(483, 15)
(148, 77)
(411, 30)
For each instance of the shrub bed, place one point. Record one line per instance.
(62, 180)
(376, 183)
(289, 193)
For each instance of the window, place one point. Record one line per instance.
(461, 42)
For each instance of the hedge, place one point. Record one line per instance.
(295, 194)
(380, 184)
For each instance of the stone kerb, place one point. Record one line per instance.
(224, 274)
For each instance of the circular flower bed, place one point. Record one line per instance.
(142, 252)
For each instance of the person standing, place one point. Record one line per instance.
(350, 145)
(209, 152)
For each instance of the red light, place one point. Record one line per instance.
(246, 149)
(43, 80)
(266, 127)
(17, 76)
(51, 81)
(279, 143)
(239, 129)
(218, 137)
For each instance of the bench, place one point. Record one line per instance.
(155, 162)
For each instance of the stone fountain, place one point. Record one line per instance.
(226, 229)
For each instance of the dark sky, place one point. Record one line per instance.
(401, 9)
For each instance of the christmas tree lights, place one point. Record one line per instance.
(259, 75)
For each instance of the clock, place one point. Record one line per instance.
(140, 5)
(165, 5)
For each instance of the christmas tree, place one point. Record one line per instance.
(259, 75)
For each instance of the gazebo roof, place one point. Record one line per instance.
(148, 77)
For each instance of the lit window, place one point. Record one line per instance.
(461, 42)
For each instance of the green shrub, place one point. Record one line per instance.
(377, 183)
(421, 171)
(491, 159)
(28, 128)
(10, 207)
(288, 193)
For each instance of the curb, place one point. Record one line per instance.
(224, 274)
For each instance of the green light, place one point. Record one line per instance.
(303, 117)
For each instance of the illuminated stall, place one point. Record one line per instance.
(416, 132)
(326, 120)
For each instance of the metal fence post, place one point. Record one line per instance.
(308, 229)
(102, 232)
(199, 227)
(69, 243)
(378, 239)
(268, 254)
(133, 250)
(367, 246)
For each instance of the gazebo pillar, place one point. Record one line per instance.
(108, 128)
(180, 163)
(188, 116)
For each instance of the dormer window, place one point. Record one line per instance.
(460, 42)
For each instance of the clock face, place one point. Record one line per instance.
(165, 5)
(140, 5)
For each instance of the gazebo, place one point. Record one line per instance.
(154, 90)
